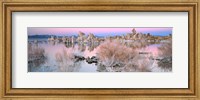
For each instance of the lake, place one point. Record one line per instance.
(50, 56)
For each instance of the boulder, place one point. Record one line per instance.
(91, 60)
(79, 58)
(165, 62)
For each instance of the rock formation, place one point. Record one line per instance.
(81, 37)
(90, 38)
(134, 31)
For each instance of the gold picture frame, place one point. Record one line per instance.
(9, 6)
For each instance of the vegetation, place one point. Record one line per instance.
(133, 52)
(115, 56)
(35, 52)
(166, 54)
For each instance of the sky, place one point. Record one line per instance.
(158, 31)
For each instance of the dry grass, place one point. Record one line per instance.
(165, 52)
(115, 55)
(114, 50)
(165, 49)
(144, 65)
(36, 56)
(59, 57)
(66, 61)
(35, 52)
(138, 64)
(139, 44)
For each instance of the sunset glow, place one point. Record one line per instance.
(97, 31)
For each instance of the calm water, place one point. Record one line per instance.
(57, 57)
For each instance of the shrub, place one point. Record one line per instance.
(114, 55)
(165, 52)
(36, 56)
(35, 52)
(66, 59)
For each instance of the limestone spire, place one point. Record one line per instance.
(134, 31)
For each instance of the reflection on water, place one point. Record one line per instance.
(58, 57)
(50, 56)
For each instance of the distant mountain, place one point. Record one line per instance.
(46, 36)
(39, 36)
(99, 36)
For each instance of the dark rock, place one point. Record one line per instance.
(166, 62)
(101, 67)
(144, 53)
(88, 60)
(91, 60)
(94, 59)
(158, 59)
(79, 58)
